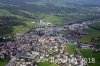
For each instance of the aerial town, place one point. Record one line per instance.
(49, 32)
(44, 44)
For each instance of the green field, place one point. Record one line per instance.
(87, 39)
(31, 24)
(96, 26)
(4, 13)
(46, 17)
(53, 19)
(20, 29)
(94, 32)
(90, 54)
(4, 61)
(71, 49)
(46, 63)
(98, 42)
(91, 30)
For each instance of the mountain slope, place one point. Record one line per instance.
(82, 2)
(57, 12)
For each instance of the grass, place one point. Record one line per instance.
(96, 25)
(53, 19)
(31, 25)
(4, 13)
(90, 54)
(20, 29)
(46, 17)
(94, 32)
(87, 39)
(71, 49)
(98, 42)
(46, 63)
(86, 53)
(4, 61)
(91, 30)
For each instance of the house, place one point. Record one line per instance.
(75, 26)
(96, 48)
(85, 46)
(1, 55)
(71, 41)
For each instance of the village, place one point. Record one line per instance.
(46, 44)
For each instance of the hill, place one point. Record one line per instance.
(56, 11)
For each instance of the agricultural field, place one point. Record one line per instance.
(53, 19)
(20, 30)
(4, 61)
(94, 32)
(46, 63)
(4, 12)
(87, 39)
(71, 49)
(31, 24)
(91, 30)
(57, 20)
(96, 26)
(90, 54)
